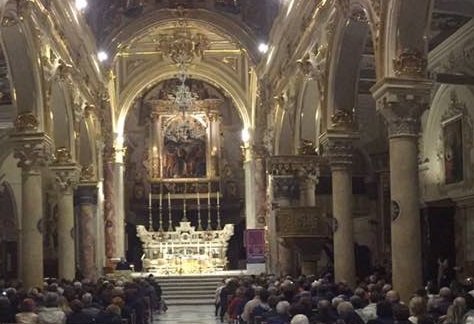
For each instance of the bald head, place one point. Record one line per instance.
(392, 296)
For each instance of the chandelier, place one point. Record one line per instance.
(184, 98)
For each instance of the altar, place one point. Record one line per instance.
(185, 250)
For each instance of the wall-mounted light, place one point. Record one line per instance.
(263, 48)
(81, 4)
(102, 56)
(245, 135)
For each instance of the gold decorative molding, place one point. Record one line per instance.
(293, 165)
(87, 173)
(183, 46)
(62, 156)
(26, 122)
(294, 222)
(307, 147)
(343, 119)
(410, 63)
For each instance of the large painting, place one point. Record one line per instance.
(453, 151)
(184, 148)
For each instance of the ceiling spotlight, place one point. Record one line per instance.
(102, 56)
(81, 4)
(263, 48)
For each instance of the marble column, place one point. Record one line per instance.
(338, 148)
(33, 152)
(114, 205)
(109, 205)
(255, 197)
(86, 198)
(66, 174)
(401, 102)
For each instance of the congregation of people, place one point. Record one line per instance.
(270, 300)
(106, 301)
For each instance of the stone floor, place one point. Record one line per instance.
(196, 314)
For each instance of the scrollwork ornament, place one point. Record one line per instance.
(66, 179)
(26, 122)
(32, 155)
(62, 156)
(410, 63)
(343, 119)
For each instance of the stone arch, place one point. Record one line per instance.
(308, 114)
(432, 150)
(62, 116)
(209, 19)
(202, 71)
(20, 47)
(406, 26)
(348, 48)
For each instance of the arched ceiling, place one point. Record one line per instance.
(115, 22)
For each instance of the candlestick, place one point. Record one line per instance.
(185, 219)
(160, 208)
(150, 213)
(218, 212)
(170, 221)
(199, 209)
(209, 226)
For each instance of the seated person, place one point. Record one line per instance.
(122, 265)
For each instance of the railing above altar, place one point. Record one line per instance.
(185, 250)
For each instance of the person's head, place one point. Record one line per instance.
(113, 309)
(51, 299)
(445, 293)
(344, 308)
(375, 297)
(283, 307)
(417, 306)
(384, 309)
(27, 305)
(263, 294)
(357, 302)
(299, 319)
(76, 305)
(240, 292)
(273, 301)
(392, 296)
(86, 299)
(400, 312)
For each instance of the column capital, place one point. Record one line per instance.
(65, 171)
(32, 149)
(294, 165)
(338, 147)
(401, 102)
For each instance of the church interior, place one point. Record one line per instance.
(191, 137)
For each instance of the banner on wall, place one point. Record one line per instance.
(254, 240)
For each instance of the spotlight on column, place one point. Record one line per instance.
(102, 56)
(263, 48)
(81, 4)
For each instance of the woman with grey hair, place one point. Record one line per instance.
(51, 313)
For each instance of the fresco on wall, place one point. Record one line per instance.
(184, 154)
(453, 153)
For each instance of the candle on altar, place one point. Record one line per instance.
(169, 201)
(149, 199)
(198, 199)
(218, 194)
(209, 198)
(161, 198)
